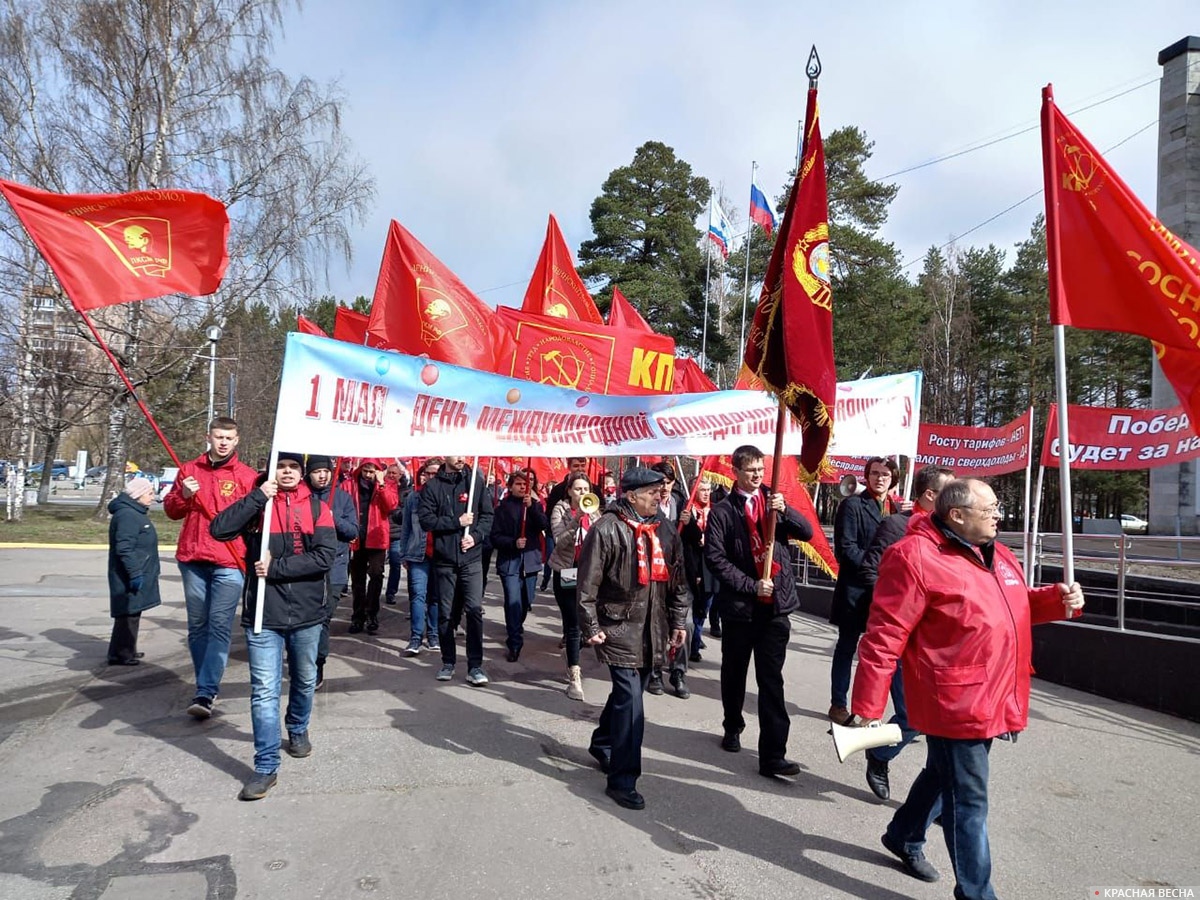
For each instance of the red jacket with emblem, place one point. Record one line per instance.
(384, 499)
(962, 629)
(220, 487)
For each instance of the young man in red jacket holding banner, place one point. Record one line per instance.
(212, 570)
(951, 602)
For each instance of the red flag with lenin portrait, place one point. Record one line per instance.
(790, 344)
(556, 289)
(422, 308)
(1118, 267)
(106, 249)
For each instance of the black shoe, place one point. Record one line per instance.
(627, 799)
(715, 631)
(320, 676)
(679, 684)
(914, 864)
(200, 708)
(777, 767)
(299, 745)
(258, 785)
(513, 655)
(655, 685)
(877, 778)
(372, 626)
(390, 601)
(601, 758)
(731, 743)
(694, 656)
(131, 661)
(356, 627)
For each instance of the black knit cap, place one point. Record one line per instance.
(639, 477)
(294, 457)
(318, 462)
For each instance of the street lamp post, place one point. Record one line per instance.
(214, 334)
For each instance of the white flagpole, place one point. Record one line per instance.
(264, 550)
(746, 277)
(1064, 456)
(471, 492)
(707, 266)
(1037, 518)
(1026, 546)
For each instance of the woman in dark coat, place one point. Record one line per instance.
(517, 527)
(132, 568)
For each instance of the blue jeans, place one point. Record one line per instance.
(899, 717)
(266, 676)
(211, 595)
(955, 778)
(519, 591)
(843, 660)
(424, 614)
(698, 623)
(394, 560)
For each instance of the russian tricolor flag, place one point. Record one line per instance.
(760, 209)
(719, 229)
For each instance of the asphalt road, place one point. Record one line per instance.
(419, 789)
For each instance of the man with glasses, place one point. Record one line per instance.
(755, 606)
(853, 528)
(927, 484)
(951, 603)
(415, 556)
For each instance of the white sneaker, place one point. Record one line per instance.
(476, 678)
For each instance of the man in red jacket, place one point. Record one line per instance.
(212, 570)
(952, 604)
(375, 495)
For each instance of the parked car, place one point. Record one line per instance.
(60, 470)
(96, 474)
(1131, 524)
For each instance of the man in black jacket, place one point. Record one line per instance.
(755, 610)
(318, 473)
(853, 527)
(301, 547)
(458, 516)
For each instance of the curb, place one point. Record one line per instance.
(164, 548)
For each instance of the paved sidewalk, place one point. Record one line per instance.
(419, 789)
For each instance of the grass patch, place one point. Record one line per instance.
(55, 524)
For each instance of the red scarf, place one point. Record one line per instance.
(656, 568)
(758, 546)
(585, 522)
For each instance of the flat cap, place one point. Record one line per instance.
(639, 477)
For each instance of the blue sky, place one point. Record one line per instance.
(479, 118)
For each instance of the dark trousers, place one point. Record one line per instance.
(122, 645)
(519, 591)
(765, 639)
(333, 593)
(843, 661)
(899, 717)
(567, 599)
(366, 582)
(622, 723)
(460, 590)
(955, 778)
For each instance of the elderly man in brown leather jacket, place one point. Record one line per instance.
(633, 608)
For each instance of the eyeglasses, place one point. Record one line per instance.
(995, 511)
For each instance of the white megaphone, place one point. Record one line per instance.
(848, 741)
(850, 485)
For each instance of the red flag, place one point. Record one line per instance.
(308, 326)
(587, 357)
(113, 248)
(623, 315)
(351, 327)
(719, 470)
(556, 288)
(422, 308)
(690, 378)
(1113, 265)
(790, 345)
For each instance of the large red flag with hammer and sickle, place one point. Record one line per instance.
(790, 344)
(106, 249)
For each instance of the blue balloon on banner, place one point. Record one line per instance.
(382, 365)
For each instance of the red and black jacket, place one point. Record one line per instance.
(302, 546)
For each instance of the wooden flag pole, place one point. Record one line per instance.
(776, 464)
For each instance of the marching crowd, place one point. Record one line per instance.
(936, 609)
